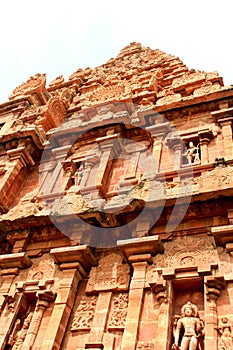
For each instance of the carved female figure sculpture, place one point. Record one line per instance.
(192, 153)
(225, 330)
(192, 328)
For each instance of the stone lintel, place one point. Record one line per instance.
(223, 234)
(159, 130)
(15, 260)
(136, 246)
(81, 254)
(205, 134)
(223, 114)
(61, 152)
(22, 153)
(34, 285)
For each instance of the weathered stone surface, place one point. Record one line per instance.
(116, 208)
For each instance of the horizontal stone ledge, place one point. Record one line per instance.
(137, 246)
(15, 260)
(81, 254)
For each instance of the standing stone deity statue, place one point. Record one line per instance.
(19, 334)
(189, 328)
(192, 153)
(225, 332)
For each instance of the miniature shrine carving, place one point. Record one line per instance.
(192, 327)
(110, 274)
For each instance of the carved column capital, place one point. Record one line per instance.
(160, 290)
(214, 285)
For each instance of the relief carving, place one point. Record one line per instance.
(145, 345)
(35, 83)
(197, 251)
(84, 314)
(42, 270)
(225, 333)
(19, 333)
(119, 313)
(220, 177)
(111, 274)
(188, 329)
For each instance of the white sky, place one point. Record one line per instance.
(57, 37)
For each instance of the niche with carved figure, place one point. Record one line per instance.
(21, 324)
(188, 314)
(191, 153)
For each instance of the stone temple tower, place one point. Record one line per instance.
(116, 222)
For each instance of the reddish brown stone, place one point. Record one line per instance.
(116, 208)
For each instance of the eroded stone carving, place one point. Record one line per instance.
(84, 314)
(18, 335)
(192, 327)
(192, 154)
(42, 270)
(188, 251)
(119, 313)
(109, 275)
(145, 345)
(35, 83)
(225, 331)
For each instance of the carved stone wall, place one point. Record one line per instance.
(116, 208)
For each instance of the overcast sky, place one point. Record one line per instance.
(58, 37)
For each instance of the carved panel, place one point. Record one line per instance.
(185, 251)
(84, 313)
(225, 334)
(145, 345)
(119, 311)
(189, 251)
(42, 270)
(111, 274)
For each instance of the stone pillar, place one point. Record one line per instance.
(99, 322)
(44, 298)
(158, 132)
(204, 151)
(213, 286)
(110, 147)
(139, 264)
(162, 291)
(138, 252)
(74, 262)
(227, 138)
(175, 143)
(205, 137)
(17, 168)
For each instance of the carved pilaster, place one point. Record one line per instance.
(138, 252)
(74, 262)
(43, 300)
(108, 277)
(205, 136)
(213, 286)
(225, 117)
(158, 132)
(162, 290)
